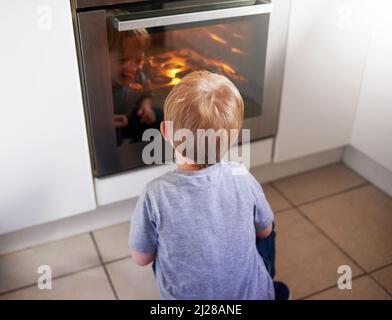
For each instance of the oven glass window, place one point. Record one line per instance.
(146, 63)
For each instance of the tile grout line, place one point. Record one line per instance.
(380, 285)
(38, 245)
(66, 274)
(380, 268)
(330, 239)
(128, 257)
(364, 272)
(319, 229)
(328, 288)
(54, 278)
(359, 186)
(283, 210)
(324, 166)
(117, 260)
(354, 278)
(104, 267)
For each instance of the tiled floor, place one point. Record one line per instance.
(324, 218)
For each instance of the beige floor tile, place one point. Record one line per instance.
(360, 222)
(276, 201)
(133, 282)
(19, 269)
(113, 241)
(89, 284)
(306, 260)
(384, 277)
(363, 288)
(318, 183)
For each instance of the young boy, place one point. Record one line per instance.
(199, 223)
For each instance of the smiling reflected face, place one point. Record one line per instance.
(125, 64)
(127, 55)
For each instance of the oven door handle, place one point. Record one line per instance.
(164, 18)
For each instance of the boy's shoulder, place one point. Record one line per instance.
(163, 181)
(236, 169)
(227, 168)
(241, 173)
(230, 176)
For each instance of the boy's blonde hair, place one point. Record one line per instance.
(205, 100)
(140, 39)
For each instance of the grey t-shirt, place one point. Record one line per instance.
(202, 226)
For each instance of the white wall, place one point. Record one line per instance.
(326, 52)
(44, 162)
(372, 132)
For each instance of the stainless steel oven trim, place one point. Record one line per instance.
(84, 4)
(258, 8)
(95, 59)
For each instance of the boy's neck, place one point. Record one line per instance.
(185, 164)
(190, 167)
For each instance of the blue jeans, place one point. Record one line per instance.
(266, 248)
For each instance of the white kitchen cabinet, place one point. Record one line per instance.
(44, 163)
(326, 51)
(372, 132)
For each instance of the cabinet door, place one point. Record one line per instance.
(44, 164)
(326, 50)
(372, 132)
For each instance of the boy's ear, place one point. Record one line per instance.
(167, 130)
(164, 130)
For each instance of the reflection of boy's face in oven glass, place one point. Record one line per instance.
(126, 63)
(127, 55)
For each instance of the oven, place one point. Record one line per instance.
(131, 53)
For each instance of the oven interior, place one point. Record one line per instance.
(233, 47)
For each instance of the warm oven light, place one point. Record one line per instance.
(172, 72)
(238, 51)
(217, 38)
(174, 81)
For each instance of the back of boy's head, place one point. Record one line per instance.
(205, 100)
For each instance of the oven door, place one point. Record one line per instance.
(132, 56)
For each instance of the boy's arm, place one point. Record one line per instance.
(142, 259)
(143, 236)
(263, 214)
(264, 233)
